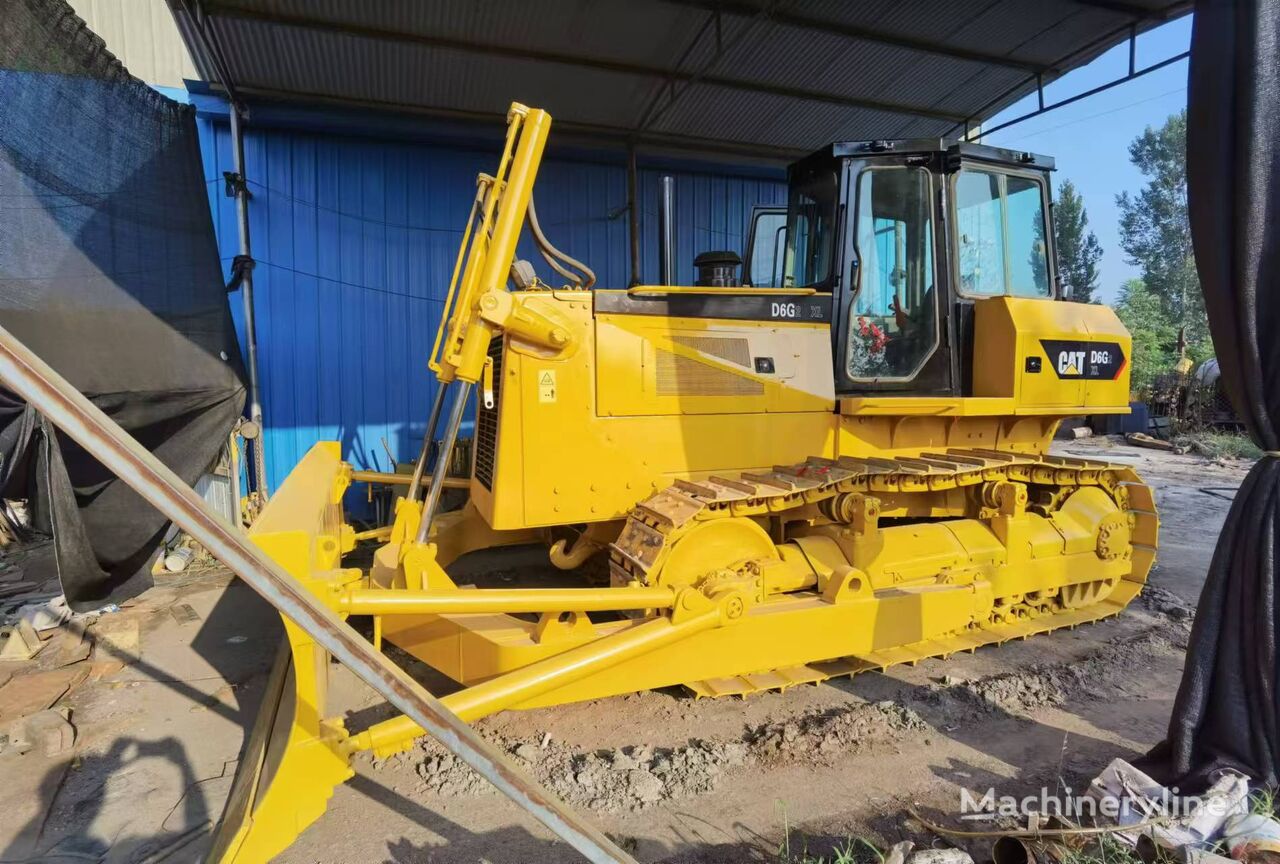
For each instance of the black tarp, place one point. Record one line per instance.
(1225, 714)
(109, 271)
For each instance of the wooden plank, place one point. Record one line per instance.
(27, 694)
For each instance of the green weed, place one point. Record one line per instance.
(1216, 444)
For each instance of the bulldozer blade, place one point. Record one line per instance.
(293, 564)
(285, 776)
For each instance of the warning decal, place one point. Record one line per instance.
(547, 386)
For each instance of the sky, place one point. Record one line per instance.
(1090, 138)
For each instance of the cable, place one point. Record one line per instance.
(278, 194)
(1048, 129)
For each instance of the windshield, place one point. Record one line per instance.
(1000, 231)
(811, 218)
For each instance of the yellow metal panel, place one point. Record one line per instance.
(562, 461)
(654, 365)
(1105, 325)
(931, 406)
(906, 434)
(1051, 356)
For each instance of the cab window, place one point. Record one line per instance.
(1000, 234)
(764, 266)
(811, 217)
(893, 321)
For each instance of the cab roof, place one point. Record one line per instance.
(929, 146)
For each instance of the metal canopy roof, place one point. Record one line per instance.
(765, 77)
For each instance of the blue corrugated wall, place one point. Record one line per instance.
(355, 240)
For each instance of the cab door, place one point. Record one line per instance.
(893, 333)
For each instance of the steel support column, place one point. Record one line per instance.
(246, 296)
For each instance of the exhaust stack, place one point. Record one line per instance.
(667, 231)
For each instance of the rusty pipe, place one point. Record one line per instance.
(1028, 850)
(68, 409)
(387, 479)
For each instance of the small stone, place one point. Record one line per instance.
(528, 752)
(622, 762)
(735, 754)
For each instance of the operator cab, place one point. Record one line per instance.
(905, 236)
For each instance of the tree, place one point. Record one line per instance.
(1155, 335)
(1155, 229)
(1078, 247)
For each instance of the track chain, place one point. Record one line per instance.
(657, 522)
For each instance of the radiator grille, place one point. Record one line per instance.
(487, 423)
(682, 376)
(733, 349)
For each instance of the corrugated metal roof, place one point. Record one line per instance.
(764, 75)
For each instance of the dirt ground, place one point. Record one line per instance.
(674, 779)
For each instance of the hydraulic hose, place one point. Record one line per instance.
(585, 278)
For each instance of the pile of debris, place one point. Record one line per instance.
(1159, 823)
(46, 652)
(820, 737)
(1127, 816)
(634, 778)
(624, 779)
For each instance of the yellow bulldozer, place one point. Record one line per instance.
(840, 472)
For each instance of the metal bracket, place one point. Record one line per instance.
(240, 265)
(235, 184)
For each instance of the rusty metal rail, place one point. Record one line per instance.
(32, 379)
